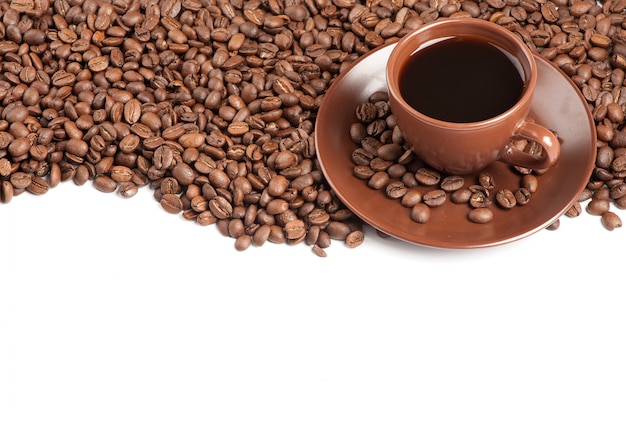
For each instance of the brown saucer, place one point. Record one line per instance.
(558, 105)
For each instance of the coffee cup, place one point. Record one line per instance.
(461, 91)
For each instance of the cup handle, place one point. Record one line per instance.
(533, 131)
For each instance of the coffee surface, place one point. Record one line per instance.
(461, 80)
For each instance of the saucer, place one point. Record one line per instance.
(558, 105)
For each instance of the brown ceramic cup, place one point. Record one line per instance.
(467, 147)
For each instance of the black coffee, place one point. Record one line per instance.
(461, 80)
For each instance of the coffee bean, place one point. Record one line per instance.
(486, 180)
(427, 176)
(337, 230)
(220, 207)
(105, 184)
(243, 242)
(6, 191)
(378, 180)
(38, 186)
(554, 226)
(480, 215)
(435, 198)
(452, 183)
(530, 183)
(183, 173)
(479, 199)
(396, 190)
(611, 220)
(574, 210)
(121, 173)
(171, 203)
(363, 172)
(411, 198)
(20, 180)
(420, 213)
(128, 189)
(598, 206)
(522, 196)
(355, 238)
(319, 251)
(506, 199)
(295, 229)
(462, 195)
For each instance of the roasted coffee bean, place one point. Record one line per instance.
(522, 196)
(20, 180)
(105, 184)
(611, 220)
(420, 213)
(574, 210)
(128, 189)
(243, 242)
(598, 206)
(363, 172)
(378, 180)
(337, 230)
(6, 191)
(427, 176)
(462, 195)
(120, 173)
(38, 186)
(220, 207)
(486, 180)
(452, 183)
(617, 190)
(506, 199)
(171, 203)
(435, 198)
(554, 226)
(295, 229)
(530, 183)
(479, 199)
(411, 198)
(319, 251)
(396, 190)
(355, 238)
(480, 215)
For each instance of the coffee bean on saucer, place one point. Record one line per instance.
(420, 213)
(486, 180)
(411, 198)
(435, 198)
(427, 176)
(506, 199)
(396, 190)
(461, 195)
(522, 196)
(479, 199)
(480, 215)
(452, 183)
(530, 183)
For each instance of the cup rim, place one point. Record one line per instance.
(393, 67)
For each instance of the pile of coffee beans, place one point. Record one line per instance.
(383, 160)
(212, 103)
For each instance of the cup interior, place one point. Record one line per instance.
(506, 41)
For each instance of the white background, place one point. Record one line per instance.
(112, 309)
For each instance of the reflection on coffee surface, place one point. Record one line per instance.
(461, 80)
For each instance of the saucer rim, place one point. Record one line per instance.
(440, 243)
